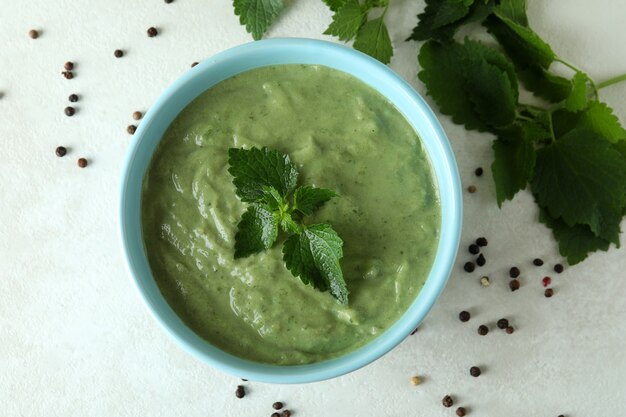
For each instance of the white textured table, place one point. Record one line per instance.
(75, 338)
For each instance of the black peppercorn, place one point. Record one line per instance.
(73, 98)
(69, 111)
(60, 151)
(193, 64)
(549, 292)
(131, 129)
(277, 405)
(152, 32)
(68, 75)
(473, 249)
(460, 411)
(69, 65)
(514, 285)
(514, 272)
(240, 392)
(275, 415)
(481, 241)
(286, 413)
(483, 330)
(481, 261)
(469, 267)
(478, 172)
(475, 371)
(34, 34)
(118, 53)
(509, 330)
(558, 268)
(464, 316)
(537, 262)
(82, 162)
(503, 324)
(447, 401)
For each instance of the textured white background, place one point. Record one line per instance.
(75, 338)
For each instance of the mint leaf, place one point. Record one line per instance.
(308, 199)
(256, 231)
(520, 43)
(577, 99)
(494, 98)
(597, 118)
(347, 21)
(450, 11)
(314, 256)
(373, 39)
(272, 198)
(252, 169)
(575, 242)
(513, 164)
(544, 84)
(514, 10)
(257, 15)
(335, 5)
(581, 179)
(454, 12)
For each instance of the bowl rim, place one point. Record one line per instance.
(304, 51)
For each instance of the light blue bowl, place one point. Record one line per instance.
(273, 52)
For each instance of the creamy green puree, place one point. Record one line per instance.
(343, 135)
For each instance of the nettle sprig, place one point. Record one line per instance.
(570, 149)
(267, 180)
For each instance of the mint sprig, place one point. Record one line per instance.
(267, 180)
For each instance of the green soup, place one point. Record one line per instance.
(343, 135)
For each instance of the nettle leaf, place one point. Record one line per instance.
(373, 39)
(257, 15)
(314, 255)
(443, 73)
(514, 10)
(575, 242)
(347, 21)
(454, 13)
(272, 198)
(483, 74)
(597, 118)
(335, 5)
(581, 179)
(252, 169)
(577, 99)
(308, 199)
(544, 84)
(513, 164)
(256, 231)
(521, 43)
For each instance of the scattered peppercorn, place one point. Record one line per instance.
(460, 411)
(240, 392)
(514, 272)
(481, 241)
(514, 285)
(546, 281)
(68, 75)
(244, 379)
(168, 1)
(474, 249)
(69, 65)
(464, 316)
(469, 267)
(561, 415)
(475, 371)
(415, 380)
(509, 330)
(484, 281)
(34, 34)
(137, 115)
(537, 262)
(414, 331)
(73, 98)
(558, 268)
(483, 330)
(193, 64)
(503, 324)
(60, 151)
(549, 292)
(471, 189)
(481, 261)
(69, 111)
(479, 171)
(82, 162)
(118, 53)
(277, 405)
(275, 415)
(152, 32)
(131, 129)
(447, 401)
(286, 413)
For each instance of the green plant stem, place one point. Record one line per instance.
(594, 87)
(522, 117)
(551, 127)
(611, 81)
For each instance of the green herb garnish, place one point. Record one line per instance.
(268, 181)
